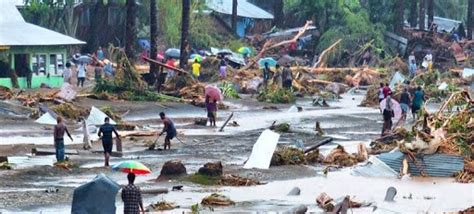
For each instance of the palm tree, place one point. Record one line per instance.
(470, 18)
(234, 15)
(430, 12)
(183, 59)
(421, 16)
(399, 8)
(131, 28)
(413, 13)
(279, 18)
(153, 35)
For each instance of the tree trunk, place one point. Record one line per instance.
(421, 19)
(234, 16)
(413, 13)
(430, 12)
(279, 16)
(470, 18)
(131, 29)
(153, 36)
(183, 59)
(399, 20)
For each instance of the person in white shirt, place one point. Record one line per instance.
(429, 60)
(81, 74)
(67, 73)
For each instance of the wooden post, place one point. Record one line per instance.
(227, 121)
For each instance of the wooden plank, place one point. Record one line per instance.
(46, 151)
(227, 121)
(316, 146)
(165, 65)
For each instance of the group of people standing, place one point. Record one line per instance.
(427, 63)
(406, 101)
(285, 76)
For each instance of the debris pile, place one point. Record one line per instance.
(449, 131)
(328, 204)
(162, 205)
(5, 93)
(340, 157)
(288, 156)
(234, 180)
(216, 199)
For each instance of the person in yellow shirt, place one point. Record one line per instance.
(196, 68)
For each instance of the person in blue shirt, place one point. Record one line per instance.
(105, 133)
(100, 54)
(418, 99)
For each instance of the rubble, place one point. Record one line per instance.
(69, 111)
(340, 157)
(5, 93)
(161, 205)
(216, 199)
(233, 180)
(288, 156)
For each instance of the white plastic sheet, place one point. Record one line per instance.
(46, 119)
(67, 92)
(262, 150)
(397, 79)
(467, 72)
(96, 117)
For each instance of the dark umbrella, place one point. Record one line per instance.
(224, 52)
(173, 53)
(96, 196)
(285, 59)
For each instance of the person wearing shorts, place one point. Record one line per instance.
(417, 102)
(169, 128)
(105, 133)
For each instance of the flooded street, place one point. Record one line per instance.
(23, 189)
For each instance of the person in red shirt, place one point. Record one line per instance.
(170, 63)
(386, 90)
(292, 48)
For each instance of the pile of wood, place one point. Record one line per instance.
(162, 205)
(216, 199)
(234, 180)
(5, 93)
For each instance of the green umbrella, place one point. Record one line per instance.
(245, 50)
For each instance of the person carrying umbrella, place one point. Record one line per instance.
(196, 68)
(266, 74)
(169, 129)
(132, 197)
(105, 133)
(211, 107)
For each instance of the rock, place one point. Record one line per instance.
(216, 199)
(390, 195)
(301, 209)
(3, 159)
(173, 168)
(211, 169)
(295, 191)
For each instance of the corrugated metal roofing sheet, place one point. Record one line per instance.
(244, 9)
(16, 32)
(436, 165)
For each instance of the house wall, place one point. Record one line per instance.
(54, 79)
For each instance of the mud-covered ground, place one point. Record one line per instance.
(23, 189)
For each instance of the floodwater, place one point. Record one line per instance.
(348, 124)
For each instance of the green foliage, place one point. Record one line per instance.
(195, 208)
(280, 95)
(228, 90)
(203, 179)
(201, 32)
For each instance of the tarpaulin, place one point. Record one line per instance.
(97, 117)
(262, 150)
(96, 196)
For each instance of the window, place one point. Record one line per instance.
(39, 64)
(56, 64)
